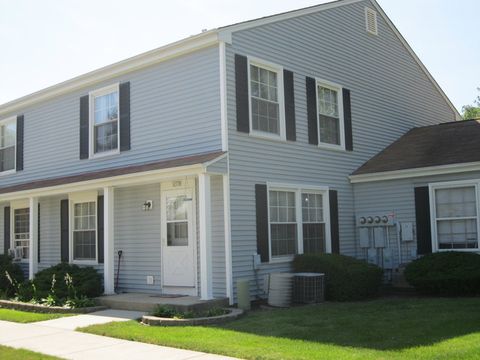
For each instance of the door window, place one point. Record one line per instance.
(177, 221)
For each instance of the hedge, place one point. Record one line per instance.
(15, 271)
(346, 278)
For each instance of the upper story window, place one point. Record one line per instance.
(266, 100)
(330, 115)
(104, 121)
(455, 215)
(8, 140)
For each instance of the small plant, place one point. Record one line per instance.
(15, 272)
(170, 312)
(51, 299)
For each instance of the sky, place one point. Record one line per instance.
(45, 42)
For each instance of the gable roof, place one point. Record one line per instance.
(442, 145)
(194, 43)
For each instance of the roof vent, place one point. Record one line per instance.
(371, 21)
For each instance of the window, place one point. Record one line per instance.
(371, 21)
(313, 223)
(84, 231)
(21, 231)
(8, 141)
(104, 121)
(177, 221)
(330, 115)
(456, 217)
(266, 100)
(297, 221)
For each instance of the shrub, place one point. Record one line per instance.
(445, 273)
(15, 271)
(167, 311)
(86, 282)
(346, 278)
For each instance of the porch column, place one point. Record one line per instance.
(108, 256)
(33, 230)
(205, 227)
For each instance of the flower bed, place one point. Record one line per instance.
(230, 314)
(18, 305)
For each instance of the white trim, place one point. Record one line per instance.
(432, 187)
(339, 89)
(228, 238)
(149, 58)
(91, 120)
(3, 122)
(416, 172)
(298, 189)
(75, 198)
(33, 244)
(223, 94)
(205, 231)
(108, 240)
(278, 69)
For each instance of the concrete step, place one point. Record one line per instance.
(148, 302)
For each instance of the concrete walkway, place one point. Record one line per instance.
(56, 337)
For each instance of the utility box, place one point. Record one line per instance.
(379, 237)
(372, 256)
(407, 231)
(387, 258)
(364, 237)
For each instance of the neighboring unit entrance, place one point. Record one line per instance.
(178, 242)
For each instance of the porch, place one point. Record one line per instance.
(149, 232)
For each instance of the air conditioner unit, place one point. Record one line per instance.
(308, 288)
(16, 253)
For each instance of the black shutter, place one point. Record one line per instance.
(312, 110)
(124, 97)
(20, 133)
(84, 126)
(64, 230)
(289, 93)
(38, 234)
(422, 216)
(347, 118)
(100, 228)
(6, 229)
(262, 221)
(241, 89)
(334, 227)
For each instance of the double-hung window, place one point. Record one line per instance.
(455, 216)
(8, 142)
(21, 232)
(297, 220)
(330, 115)
(104, 121)
(84, 241)
(267, 110)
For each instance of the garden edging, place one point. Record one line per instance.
(155, 320)
(16, 305)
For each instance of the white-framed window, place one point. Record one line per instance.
(266, 99)
(455, 216)
(8, 145)
(331, 132)
(21, 231)
(104, 121)
(298, 219)
(83, 236)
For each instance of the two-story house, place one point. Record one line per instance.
(214, 158)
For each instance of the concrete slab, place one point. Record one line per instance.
(10, 331)
(99, 317)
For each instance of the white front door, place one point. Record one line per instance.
(178, 241)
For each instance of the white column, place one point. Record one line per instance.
(228, 238)
(205, 217)
(33, 230)
(108, 255)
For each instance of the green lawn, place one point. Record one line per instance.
(380, 329)
(26, 317)
(8, 353)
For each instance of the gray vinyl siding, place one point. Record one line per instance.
(175, 111)
(2, 209)
(137, 234)
(218, 238)
(389, 94)
(397, 197)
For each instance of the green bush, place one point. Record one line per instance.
(445, 273)
(346, 278)
(86, 280)
(15, 271)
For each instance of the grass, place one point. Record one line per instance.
(8, 353)
(380, 329)
(26, 316)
